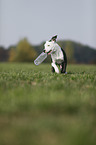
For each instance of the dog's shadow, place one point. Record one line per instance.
(70, 72)
(83, 72)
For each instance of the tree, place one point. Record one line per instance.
(12, 55)
(23, 52)
(69, 49)
(4, 54)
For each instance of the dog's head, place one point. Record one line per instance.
(48, 46)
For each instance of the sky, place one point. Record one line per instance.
(39, 20)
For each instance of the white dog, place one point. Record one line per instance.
(57, 54)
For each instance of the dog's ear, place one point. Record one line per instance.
(54, 38)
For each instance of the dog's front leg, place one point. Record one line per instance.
(55, 67)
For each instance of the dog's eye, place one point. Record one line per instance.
(48, 45)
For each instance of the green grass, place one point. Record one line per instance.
(38, 107)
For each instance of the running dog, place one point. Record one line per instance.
(58, 55)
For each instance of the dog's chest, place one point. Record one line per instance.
(57, 54)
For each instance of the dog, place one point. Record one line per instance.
(58, 55)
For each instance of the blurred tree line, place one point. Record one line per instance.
(25, 52)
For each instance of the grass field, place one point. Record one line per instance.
(38, 107)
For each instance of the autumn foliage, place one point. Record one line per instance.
(23, 52)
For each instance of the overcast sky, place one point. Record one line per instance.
(39, 20)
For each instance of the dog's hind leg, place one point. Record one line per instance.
(63, 67)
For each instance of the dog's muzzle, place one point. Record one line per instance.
(47, 52)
